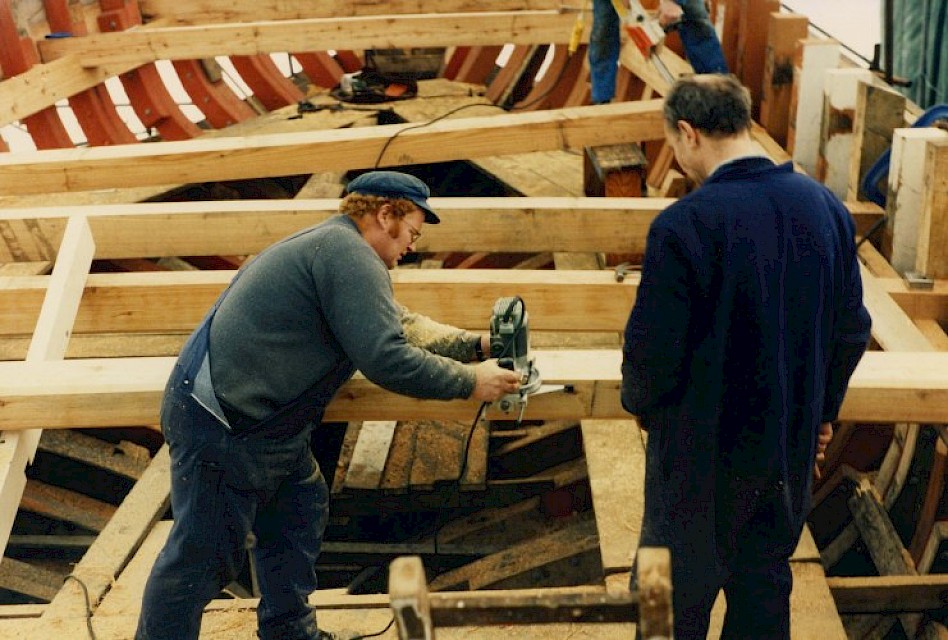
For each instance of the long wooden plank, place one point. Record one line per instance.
(932, 257)
(615, 455)
(247, 226)
(210, 11)
(369, 456)
(141, 46)
(886, 387)
(208, 159)
(175, 301)
(510, 224)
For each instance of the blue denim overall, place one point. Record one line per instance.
(254, 485)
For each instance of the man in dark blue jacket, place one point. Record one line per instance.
(747, 326)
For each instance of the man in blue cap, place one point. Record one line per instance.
(251, 385)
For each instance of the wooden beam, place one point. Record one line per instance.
(50, 337)
(891, 327)
(611, 446)
(211, 11)
(175, 301)
(890, 594)
(266, 155)
(836, 132)
(879, 111)
(812, 58)
(28, 579)
(886, 387)
(752, 46)
(905, 205)
(210, 228)
(140, 46)
(932, 259)
(238, 227)
(784, 31)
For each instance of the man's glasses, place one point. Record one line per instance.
(415, 233)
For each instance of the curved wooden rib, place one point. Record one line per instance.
(934, 494)
(888, 483)
(150, 99)
(18, 54)
(94, 108)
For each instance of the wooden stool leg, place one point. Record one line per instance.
(408, 595)
(655, 593)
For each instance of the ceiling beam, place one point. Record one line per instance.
(210, 11)
(237, 227)
(140, 46)
(276, 154)
(113, 392)
(175, 301)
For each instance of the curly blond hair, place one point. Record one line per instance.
(358, 205)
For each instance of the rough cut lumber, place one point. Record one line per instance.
(890, 594)
(908, 188)
(891, 327)
(784, 31)
(209, 159)
(28, 579)
(886, 387)
(752, 46)
(836, 132)
(879, 111)
(509, 224)
(932, 259)
(126, 459)
(140, 46)
(811, 60)
(175, 301)
(210, 11)
(615, 455)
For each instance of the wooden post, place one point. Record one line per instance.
(616, 170)
(932, 258)
(408, 594)
(879, 111)
(811, 60)
(836, 130)
(752, 46)
(729, 16)
(782, 36)
(655, 593)
(907, 193)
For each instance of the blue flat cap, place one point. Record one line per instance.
(394, 184)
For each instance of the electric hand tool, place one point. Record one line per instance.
(645, 32)
(510, 344)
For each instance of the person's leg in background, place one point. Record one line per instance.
(758, 601)
(701, 42)
(603, 51)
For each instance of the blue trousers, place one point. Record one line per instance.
(702, 46)
(732, 534)
(261, 490)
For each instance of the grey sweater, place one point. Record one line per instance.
(320, 299)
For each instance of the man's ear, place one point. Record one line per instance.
(688, 133)
(384, 215)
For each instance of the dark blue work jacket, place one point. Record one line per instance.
(747, 325)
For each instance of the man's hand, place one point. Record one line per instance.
(823, 438)
(669, 13)
(494, 382)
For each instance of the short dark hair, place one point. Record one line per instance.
(716, 104)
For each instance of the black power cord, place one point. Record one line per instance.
(377, 633)
(85, 593)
